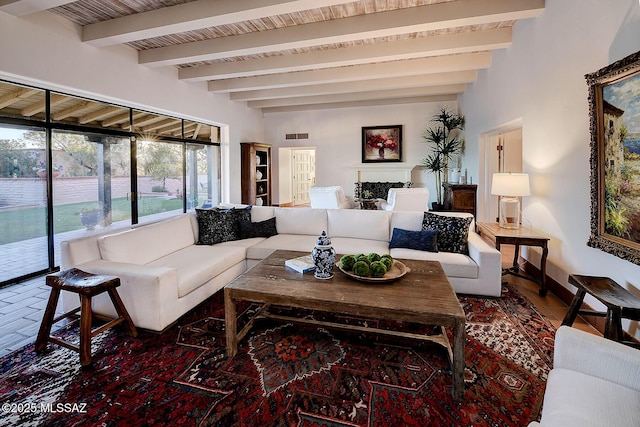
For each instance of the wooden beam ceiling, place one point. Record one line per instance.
(280, 55)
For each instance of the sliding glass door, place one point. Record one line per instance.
(23, 202)
(92, 184)
(160, 184)
(70, 167)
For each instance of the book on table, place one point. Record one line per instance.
(302, 264)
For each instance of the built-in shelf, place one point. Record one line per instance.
(256, 173)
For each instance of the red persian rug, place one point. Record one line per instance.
(287, 375)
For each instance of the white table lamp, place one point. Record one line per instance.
(510, 186)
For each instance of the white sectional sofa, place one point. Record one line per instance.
(164, 273)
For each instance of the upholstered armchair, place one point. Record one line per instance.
(594, 382)
(329, 198)
(406, 199)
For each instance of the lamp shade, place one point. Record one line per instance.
(510, 184)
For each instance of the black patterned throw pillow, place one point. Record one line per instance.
(220, 225)
(242, 214)
(266, 228)
(453, 232)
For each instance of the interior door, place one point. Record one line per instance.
(504, 154)
(303, 167)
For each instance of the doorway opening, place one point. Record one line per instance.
(502, 153)
(297, 174)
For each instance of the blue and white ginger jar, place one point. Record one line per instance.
(324, 257)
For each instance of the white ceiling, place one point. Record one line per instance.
(281, 55)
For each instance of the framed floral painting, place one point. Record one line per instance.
(382, 144)
(614, 110)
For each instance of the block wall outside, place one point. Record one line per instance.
(21, 192)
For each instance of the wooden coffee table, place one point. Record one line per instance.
(423, 296)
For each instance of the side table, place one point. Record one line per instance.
(519, 237)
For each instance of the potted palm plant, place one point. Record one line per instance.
(445, 144)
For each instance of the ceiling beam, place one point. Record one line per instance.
(161, 124)
(383, 24)
(189, 17)
(363, 103)
(122, 118)
(16, 95)
(409, 67)
(39, 106)
(446, 44)
(388, 83)
(359, 96)
(100, 114)
(73, 110)
(26, 7)
(146, 120)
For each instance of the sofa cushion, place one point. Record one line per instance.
(197, 264)
(305, 221)
(358, 224)
(423, 240)
(454, 265)
(453, 232)
(260, 213)
(220, 225)
(266, 228)
(407, 220)
(144, 244)
(242, 243)
(346, 245)
(292, 242)
(576, 399)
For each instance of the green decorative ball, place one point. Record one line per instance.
(387, 261)
(373, 257)
(377, 269)
(363, 258)
(361, 268)
(346, 262)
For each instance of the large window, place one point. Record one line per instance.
(71, 166)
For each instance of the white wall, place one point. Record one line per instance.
(540, 80)
(336, 134)
(45, 50)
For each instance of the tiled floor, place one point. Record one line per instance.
(22, 308)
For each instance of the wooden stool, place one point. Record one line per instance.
(620, 303)
(86, 285)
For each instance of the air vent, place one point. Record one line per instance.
(296, 136)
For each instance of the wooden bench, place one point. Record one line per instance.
(86, 285)
(620, 303)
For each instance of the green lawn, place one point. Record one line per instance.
(21, 224)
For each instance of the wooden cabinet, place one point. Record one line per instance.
(256, 173)
(460, 197)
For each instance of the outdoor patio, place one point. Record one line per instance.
(22, 304)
